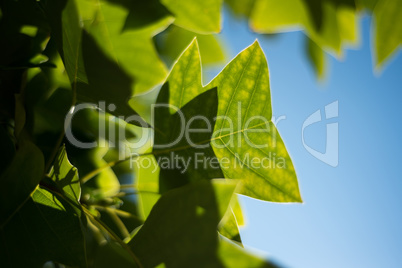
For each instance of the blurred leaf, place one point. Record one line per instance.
(233, 255)
(369, 4)
(44, 227)
(103, 185)
(201, 16)
(387, 30)
(93, 74)
(65, 176)
(176, 39)
(241, 7)
(131, 48)
(99, 125)
(24, 34)
(181, 229)
(316, 56)
(330, 24)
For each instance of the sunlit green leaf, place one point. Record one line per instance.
(176, 39)
(130, 48)
(330, 24)
(65, 176)
(316, 57)
(232, 220)
(92, 71)
(244, 123)
(241, 7)
(388, 29)
(246, 131)
(202, 16)
(147, 184)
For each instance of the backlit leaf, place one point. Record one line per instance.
(388, 29)
(202, 16)
(243, 132)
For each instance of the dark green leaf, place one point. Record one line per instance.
(181, 229)
(169, 128)
(44, 227)
(20, 178)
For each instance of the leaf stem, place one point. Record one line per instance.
(103, 226)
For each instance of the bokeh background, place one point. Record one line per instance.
(351, 215)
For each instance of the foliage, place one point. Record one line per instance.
(78, 82)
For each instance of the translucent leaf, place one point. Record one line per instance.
(329, 24)
(176, 39)
(316, 57)
(202, 16)
(388, 29)
(65, 176)
(244, 129)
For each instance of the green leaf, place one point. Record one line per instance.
(173, 145)
(181, 229)
(387, 30)
(20, 178)
(147, 185)
(241, 8)
(44, 227)
(244, 121)
(65, 176)
(92, 71)
(112, 254)
(131, 48)
(201, 16)
(369, 4)
(176, 39)
(185, 77)
(316, 57)
(232, 220)
(330, 24)
(233, 255)
(245, 104)
(104, 184)
(64, 21)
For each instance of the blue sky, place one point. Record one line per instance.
(351, 216)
